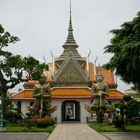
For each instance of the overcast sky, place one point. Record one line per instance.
(42, 25)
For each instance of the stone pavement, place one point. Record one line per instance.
(122, 135)
(23, 136)
(75, 132)
(71, 132)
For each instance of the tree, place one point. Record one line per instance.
(41, 106)
(125, 47)
(132, 110)
(15, 69)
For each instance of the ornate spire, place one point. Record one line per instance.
(70, 29)
(70, 46)
(70, 42)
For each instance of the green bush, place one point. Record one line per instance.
(118, 121)
(103, 108)
(127, 98)
(132, 109)
(12, 116)
(133, 120)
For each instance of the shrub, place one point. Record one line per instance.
(93, 108)
(127, 98)
(118, 121)
(12, 116)
(44, 122)
(103, 108)
(132, 109)
(133, 120)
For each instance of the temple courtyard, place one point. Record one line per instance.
(71, 131)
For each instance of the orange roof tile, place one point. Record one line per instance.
(67, 93)
(115, 94)
(56, 93)
(71, 92)
(108, 75)
(71, 97)
(24, 95)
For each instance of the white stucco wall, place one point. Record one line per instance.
(58, 112)
(83, 112)
(24, 105)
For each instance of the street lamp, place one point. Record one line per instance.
(1, 114)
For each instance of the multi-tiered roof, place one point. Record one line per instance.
(71, 77)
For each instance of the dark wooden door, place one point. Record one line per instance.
(70, 111)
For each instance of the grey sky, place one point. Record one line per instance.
(42, 24)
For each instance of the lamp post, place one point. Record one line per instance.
(1, 114)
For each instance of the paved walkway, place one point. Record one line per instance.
(23, 136)
(122, 135)
(75, 132)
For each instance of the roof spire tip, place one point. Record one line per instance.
(70, 38)
(70, 6)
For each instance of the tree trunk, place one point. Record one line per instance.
(3, 93)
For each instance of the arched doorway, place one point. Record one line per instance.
(70, 111)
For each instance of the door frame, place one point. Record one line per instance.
(77, 111)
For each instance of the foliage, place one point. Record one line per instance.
(6, 38)
(125, 47)
(44, 122)
(19, 128)
(129, 110)
(42, 80)
(133, 120)
(99, 116)
(135, 95)
(132, 128)
(127, 98)
(95, 108)
(33, 68)
(118, 121)
(12, 116)
(41, 107)
(132, 109)
(100, 110)
(121, 106)
(13, 68)
(104, 127)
